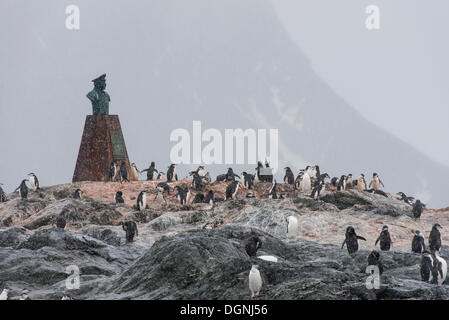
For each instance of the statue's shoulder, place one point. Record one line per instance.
(93, 95)
(107, 95)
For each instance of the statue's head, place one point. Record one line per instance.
(100, 82)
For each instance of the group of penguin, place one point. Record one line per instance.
(23, 188)
(118, 171)
(433, 267)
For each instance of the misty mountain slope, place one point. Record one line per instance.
(210, 68)
(229, 64)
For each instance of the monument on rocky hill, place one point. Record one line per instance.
(102, 142)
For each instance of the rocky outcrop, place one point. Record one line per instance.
(193, 252)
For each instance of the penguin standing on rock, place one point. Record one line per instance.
(255, 281)
(351, 240)
(78, 193)
(384, 239)
(318, 186)
(164, 187)
(118, 198)
(403, 197)
(418, 243)
(439, 270)
(130, 227)
(134, 172)
(161, 176)
(435, 238)
(374, 260)
(112, 171)
(247, 180)
(433, 268)
(123, 172)
(197, 183)
(376, 182)
(306, 182)
(361, 183)
(60, 222)
(252, 244)
(23, 189)
(349, 181)
(418, 208)
(341, 185)
(232, 189)
(171, 173)
(142, 200)
(34, 182)
(182, 194)
(151, 171)
(299, 179)
(289, 178)
(2, 194)
(230, 175)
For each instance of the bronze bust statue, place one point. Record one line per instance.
(99, 98)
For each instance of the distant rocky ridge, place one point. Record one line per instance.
(194, 252)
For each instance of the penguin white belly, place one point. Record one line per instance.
(444, 268)
(143, 204)
(235, 192)
(134, 174)
(255, 281)
(306, 183)
(375, 184)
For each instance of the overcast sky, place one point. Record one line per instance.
(397, 77)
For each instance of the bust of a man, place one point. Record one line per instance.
(99, 98)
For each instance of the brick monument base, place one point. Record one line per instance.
(101, 144)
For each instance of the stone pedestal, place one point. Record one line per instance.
(102, 143)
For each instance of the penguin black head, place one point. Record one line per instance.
(119, 193)
(385, 228)
(437, 226)
(350, 230)
(426, 253)
(362, 175)
(375, 175)
(375, 254)
(152, 164)
(287, 168)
